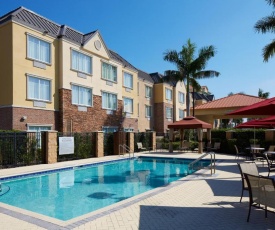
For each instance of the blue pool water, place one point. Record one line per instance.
(71, 193)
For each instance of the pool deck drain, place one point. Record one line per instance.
(198, 201)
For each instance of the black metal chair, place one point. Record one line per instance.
(270, 164)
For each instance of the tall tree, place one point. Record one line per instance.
(264, 25)
(262, 94)
(189, 68)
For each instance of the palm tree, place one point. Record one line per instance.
(189, 68)
(267, 24)
(261, 94)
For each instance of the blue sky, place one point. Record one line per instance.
(141, 31)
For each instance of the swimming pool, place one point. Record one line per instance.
(73, 192)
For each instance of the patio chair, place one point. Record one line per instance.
(248, 168)
(238, 154)
(217, 146)
(270, 164)
(261, 193)
(140, 147)
(257, 154)
(185, 146)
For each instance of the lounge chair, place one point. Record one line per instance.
(217, 146)
(140, 147)
(261, 193)
(248, 168)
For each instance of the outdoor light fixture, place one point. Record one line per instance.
(24, 118)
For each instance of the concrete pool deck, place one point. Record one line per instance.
(199, 201)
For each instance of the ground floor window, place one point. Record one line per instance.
(38, 129)
(109, 129)
(128, 130)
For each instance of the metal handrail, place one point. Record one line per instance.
(213, 159)
(127, 149)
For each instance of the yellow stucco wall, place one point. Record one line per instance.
(160, 94)
(22, 66)
(143, 122)
(180, 87)
(6, 96)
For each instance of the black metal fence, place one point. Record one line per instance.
(108, 144)
(84, 146)
(20, 148)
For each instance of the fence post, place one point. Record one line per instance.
(99, 151)
(50, 146)
(131, 141)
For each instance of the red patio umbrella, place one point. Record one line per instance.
(266, 107)
(190, 123)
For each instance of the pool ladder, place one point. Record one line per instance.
(126, 148)
(212, 165)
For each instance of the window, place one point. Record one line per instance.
(127, 105)
(168, 94)
(81, 95)
(169, 112)
(81, 62)
(148, 111)
(128, 129)
(37, 130)
(109, 129)
(38, 89)
(181, 114)
(181, 98)
(109, 72)
(38, 49)
(128, 80)
(109, 101)
(148, 91)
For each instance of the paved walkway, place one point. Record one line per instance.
(199, 201)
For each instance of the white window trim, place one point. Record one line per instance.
(102, 91)
(146, 110)
(79, 71)
(167, 114)
(132, 104)
(43, 78)
(132, 80)
(151, 91)
(83, 86)
(33, 59)
(169, 99)
(179, 97)
(102, 73)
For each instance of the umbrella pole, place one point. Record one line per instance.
(254, 137)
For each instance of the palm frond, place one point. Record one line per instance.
(171, 56)
(271, 2)
(195, 84)
(266, 24)
(172, 76)
(268, 51)
(200, 62)
(206, 74)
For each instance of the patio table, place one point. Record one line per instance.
(254, 151)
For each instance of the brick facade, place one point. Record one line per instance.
(11, 118)
(91, 120)
(161, 122)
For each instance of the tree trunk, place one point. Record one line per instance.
(187, 97)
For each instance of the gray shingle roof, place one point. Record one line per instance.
(146, 76)
(201, 96)
(159, 78)
(120, 59)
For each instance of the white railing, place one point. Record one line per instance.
(212, 165)
(127, 149)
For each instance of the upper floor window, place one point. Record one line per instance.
(148, 111)
(39, 89)
(38, 49)
(81, 95)
(128, 80)
(109, 72)
(169, 112)
(127, 105)
(181, 114)
(168, 93)
(81, 62)
(109, 101)
(148, 91)
(181, 97)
